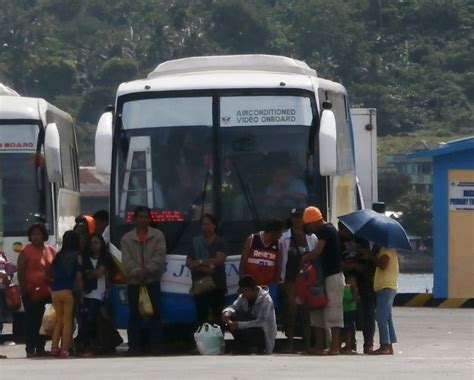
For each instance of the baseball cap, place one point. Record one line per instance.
(312, 214)
(297, 212)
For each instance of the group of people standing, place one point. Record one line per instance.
(74, 280)
(359, 282)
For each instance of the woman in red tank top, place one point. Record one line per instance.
(34, 276)
(261, 254)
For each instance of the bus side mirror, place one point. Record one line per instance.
(327, 144)
(103, 144)
(52, 152)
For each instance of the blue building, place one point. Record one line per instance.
(419, 169)
(453, 217)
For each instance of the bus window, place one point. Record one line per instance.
(173, 112)
(179, 175)
(136, 189)
(67, 163)
(22, 199)
(73, 161)
(264, 140)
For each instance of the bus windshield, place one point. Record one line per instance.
(22, 180)
(171, 159)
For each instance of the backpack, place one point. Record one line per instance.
(309, 287)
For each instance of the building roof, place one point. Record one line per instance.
(92, 183)
(445, 148)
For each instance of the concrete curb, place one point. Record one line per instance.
(427, 300)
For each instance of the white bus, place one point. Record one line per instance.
(246, 137)
(39, 174)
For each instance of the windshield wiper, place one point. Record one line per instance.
(189, 213)
(248, 196)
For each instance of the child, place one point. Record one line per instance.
(349, 302)
(66, 274)
(94, 265)
(6, 271)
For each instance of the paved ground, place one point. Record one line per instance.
(434, 344)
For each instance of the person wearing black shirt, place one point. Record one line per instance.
(357, 260)
(328, 251)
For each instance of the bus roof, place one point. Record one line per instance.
(229, 72)
(249, 62)
(24, 108)
(7, 91)
(17, 107)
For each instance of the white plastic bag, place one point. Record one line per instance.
(49, 320)
(209, 340)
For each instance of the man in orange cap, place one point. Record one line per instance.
(88, 220)
(328, 253)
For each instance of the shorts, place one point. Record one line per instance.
(350, 319)
(332, 315)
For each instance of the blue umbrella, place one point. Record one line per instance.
(377, 228)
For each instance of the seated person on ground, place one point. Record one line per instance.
(251, 318)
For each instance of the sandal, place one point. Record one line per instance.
(382, 351)
(331, 353)
(348, 351)
(314, 351)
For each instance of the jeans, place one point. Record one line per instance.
(367, 311)
(135, 342)
(63, 303)
(213, 301)
(88, 327)
(383, 315)
(248, 339)
(33, 317)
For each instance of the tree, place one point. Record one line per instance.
(409, 59)
(65, 10)
(392, 187)
(417, 214)
(117, 70)
(94, 103)
(52, 77)
(239, 27)
(330, 37)
(86, 144)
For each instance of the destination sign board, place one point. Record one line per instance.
(461, 195)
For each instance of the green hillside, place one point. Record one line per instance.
(408, 58)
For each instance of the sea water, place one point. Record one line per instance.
(415, 283)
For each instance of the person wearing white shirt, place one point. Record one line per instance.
(294, 243)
